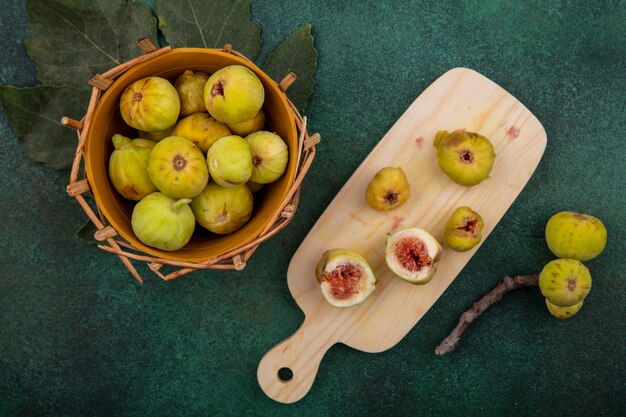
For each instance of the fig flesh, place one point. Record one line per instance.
(269, 156)
(230, 161)
(177, 167)
(163, 222)
(565, 282)
(345, 277)
(222, 210)
(190, 88)
(465, 157)
(388, 190)
(128, 167)
(150, 104)
(575, 235)
(234, 94)
(412, 254)
(201, 129)
(464, 229)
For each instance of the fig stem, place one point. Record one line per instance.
(505, 285)
(178, 204)
(119, 141)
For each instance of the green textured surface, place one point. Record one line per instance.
(79, 337)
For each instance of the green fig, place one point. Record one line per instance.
(565, 282)
(201, 129)
(128, 167)
(222, 210)
(464, 229)
(150, 104)
(465, 157)
(163, 222)
(234, 94)
(575, 235)
(388, 189)
(190, 87)
(412, 254)
(255, 124)
(178, 168)
(269, 156)
(230, 161)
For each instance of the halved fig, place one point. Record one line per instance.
(345, 277)
(412, 254)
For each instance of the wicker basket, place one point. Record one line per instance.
(111, 239)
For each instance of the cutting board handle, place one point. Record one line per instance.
(288, 370)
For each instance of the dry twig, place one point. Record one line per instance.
(505, 285)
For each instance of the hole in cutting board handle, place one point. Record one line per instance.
(285, 374)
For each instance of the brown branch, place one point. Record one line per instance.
(505, 285)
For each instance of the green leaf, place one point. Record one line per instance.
(86, 233)
(296, 54)
(203, 24)
(75, 39)
(34, 114)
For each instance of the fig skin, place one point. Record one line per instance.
(150, 104)
(565, 282)
(177, 167)
(464, 229)
(255, 124)
(190, 88)
(269, 156)
(563, 312)
(163, 222)
(222, 210)
(201, 129)
(575, 235)
(156, 136)
(338, 266)
(388, 190)
(406, 247)
(230, 161)
(254, 186)
(234, 94)
(128, 167)
(465, 157)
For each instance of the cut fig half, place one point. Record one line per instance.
(412, 254)
(345, 277)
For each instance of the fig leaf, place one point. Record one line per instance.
(34, 114)
(297, 53)
(74, 39)
(201, 24)
(86, 233)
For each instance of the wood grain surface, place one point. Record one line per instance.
(459, 99)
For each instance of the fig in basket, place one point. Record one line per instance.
(163, 222)
(345, 277)
(464, 229)
(230, 161)
(150, 104)
(412, 254)
(201, 129)
(190, 87)
(234, 94)
(222, 210)
(255, 124)
(178, 168)
(389, 189)
(158, 135)
(128, 167)
(575, 235)
(465, 157)
(269, 156)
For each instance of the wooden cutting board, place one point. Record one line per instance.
(459, 99)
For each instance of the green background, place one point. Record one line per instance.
(78, 336)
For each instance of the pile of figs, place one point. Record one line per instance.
(200, 153)
(412, 253)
